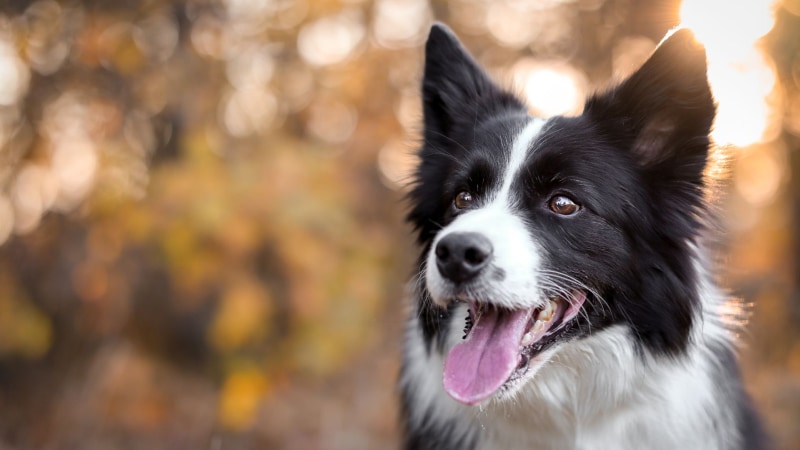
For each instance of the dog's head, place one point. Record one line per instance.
(549, 230)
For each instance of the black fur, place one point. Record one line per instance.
(463, 110)
(430, 434)
(634, 159)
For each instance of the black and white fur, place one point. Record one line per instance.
(649, 362)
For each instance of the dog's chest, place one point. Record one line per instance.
(621, 430)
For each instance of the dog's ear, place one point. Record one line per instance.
(455, 90)
(664, 111)
(662, 115)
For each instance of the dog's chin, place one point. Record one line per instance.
(522, 376)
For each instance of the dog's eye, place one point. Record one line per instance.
(463, 200)
(561, 204)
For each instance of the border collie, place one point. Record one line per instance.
(563, 298)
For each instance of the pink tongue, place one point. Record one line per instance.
(477, 367)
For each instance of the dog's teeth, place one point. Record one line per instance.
(527, 339)
(547, 312)
(535, 330)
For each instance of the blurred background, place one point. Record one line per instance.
(201, 202)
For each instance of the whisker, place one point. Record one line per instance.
(562, 285)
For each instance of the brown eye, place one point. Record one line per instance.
(561, 204)
(463, 200)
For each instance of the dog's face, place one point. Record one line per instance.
(538, 232)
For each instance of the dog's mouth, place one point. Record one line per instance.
(501, 345)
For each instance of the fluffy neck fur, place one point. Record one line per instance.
(600, 392)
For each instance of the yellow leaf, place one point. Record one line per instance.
(242, 314)
(240, 398)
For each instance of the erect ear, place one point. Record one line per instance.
(664, 111)
(662, 115)
(455, 89)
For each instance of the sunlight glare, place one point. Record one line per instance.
(740, 76)
(551, 88)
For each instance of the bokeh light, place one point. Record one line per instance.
(761, 173)
(13, 74)
(331, 40)
(74, 159)
(401, 23)
(248, 111)
(502, 20)
(6, 219)
(331, 120)
(202, 241)
(396, 162)
(551, 88)
(47, 28)
(32, 194)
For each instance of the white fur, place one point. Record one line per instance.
(594, 393)
(423, 374)
(515, 253)
(591, 393)
(519, 153)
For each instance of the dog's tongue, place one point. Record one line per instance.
(475, 368)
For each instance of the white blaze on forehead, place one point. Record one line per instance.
(519, 152)
(515, 253)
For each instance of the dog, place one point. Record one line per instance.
(565, 297)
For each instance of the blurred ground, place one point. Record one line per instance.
(201, 219)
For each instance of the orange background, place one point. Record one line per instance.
(201, 202)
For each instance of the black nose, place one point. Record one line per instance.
(461, 256)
